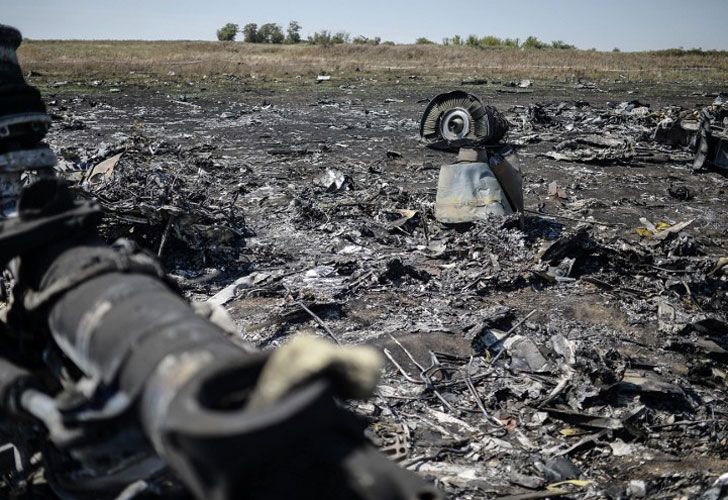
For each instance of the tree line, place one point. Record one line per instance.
(266, 33)
(274, 33)
(493, 41)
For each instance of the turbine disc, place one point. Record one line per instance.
(458, 119)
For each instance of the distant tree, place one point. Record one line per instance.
(457, 40)
(388, 42)
(340, 37)
(250, 33)
(322, 37)
(511, 42)
(616, 49)
(228, 32)
(490, 41)
(559, 44)
(271, 33)
(446, 41)
(533, 43)
(424, 41)
(472, 41)
(294, 32)
(362, 40)
(277, 36)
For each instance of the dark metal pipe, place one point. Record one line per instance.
(146, 357)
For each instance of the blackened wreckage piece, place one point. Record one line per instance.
(711, 142)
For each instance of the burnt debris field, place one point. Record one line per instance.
(580, 354)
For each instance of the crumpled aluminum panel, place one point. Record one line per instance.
(467, 192)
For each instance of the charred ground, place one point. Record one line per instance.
(225, 177)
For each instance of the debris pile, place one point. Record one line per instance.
(171, 197)
(629, 133)
(580, 353)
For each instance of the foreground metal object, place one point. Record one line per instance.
(712, 140)
(208, 435)
(485, 181)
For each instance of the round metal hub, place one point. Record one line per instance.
(455, 124)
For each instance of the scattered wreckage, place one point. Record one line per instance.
(564, 350)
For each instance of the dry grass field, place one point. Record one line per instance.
(195, 58)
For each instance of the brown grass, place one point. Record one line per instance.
(105, 58)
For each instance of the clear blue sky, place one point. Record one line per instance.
(604, 24)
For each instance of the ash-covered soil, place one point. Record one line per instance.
(322, 195)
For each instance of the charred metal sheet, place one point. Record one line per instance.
(505, 165)
(711, 144)
(675, 132)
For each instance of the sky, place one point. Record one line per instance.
(602, 24)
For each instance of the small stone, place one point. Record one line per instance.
(636, 489)
(621, 449)
(530, 482)
(560, 469)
